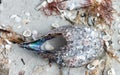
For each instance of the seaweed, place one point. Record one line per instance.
(101, 9)
(53, 7)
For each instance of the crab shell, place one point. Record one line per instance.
(84, 44)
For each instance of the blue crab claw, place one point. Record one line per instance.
(36, 45)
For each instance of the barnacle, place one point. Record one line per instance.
(101, 9)
(53, 7)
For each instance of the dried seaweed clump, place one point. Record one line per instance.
(102, 9)
(54, 7)
(10, 35)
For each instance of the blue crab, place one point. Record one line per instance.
(83, 45)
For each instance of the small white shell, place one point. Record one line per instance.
(16, 18)
(43, 4)
(93, 65)
(111, 72)
(27, 33)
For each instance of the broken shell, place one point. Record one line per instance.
(111, 72)
(19, 26)
(93, 65)
(48, 46)
(55, 25)
(27, 14)
(8, 47)
(25, 21)
(106, 37)
(27, 33)
(38, 69)
(8, 41)
(34, 35)
(43, 4)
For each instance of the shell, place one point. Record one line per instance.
(27, 33)
(83, 45)
(55, 25)
(93, 65)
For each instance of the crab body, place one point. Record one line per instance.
(83, 45)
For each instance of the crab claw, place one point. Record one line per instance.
(35, 45)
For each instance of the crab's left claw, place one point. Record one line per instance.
(35, 45)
